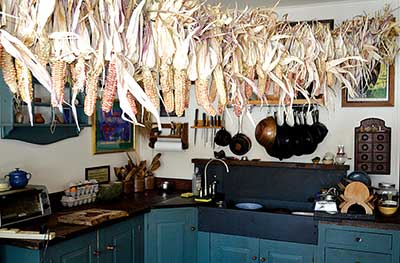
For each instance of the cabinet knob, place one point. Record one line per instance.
(359, 239)
(110, 248)
(254, 258)
(193, 228)
(263, 259)
(96, 253)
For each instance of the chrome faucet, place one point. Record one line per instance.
(205, 173)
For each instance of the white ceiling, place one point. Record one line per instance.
(270, 3)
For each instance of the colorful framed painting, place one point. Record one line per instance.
(379, 92)
(110, 132)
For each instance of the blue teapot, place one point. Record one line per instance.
(18, 178)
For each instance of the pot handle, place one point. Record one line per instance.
(6, 176)
(240, 120)
(28, 176)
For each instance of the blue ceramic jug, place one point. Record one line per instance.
(18, 178)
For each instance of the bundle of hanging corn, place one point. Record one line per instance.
(232, 56)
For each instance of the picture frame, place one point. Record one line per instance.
(110, 133)
(381, 92)
(100, 173)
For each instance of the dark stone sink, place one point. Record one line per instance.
(278, 225)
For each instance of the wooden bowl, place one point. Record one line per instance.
(388, 210)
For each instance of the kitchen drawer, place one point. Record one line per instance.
(365, 147)
(364, 137)
(381, 147)
(358, 240)
(381, 137)
(333, 255)
(366, 167)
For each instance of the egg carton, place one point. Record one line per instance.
(82, 188)
(71, 201)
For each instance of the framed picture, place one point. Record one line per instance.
(101, 174)
(379, 92)
(110, 132)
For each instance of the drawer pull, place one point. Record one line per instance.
(359, 240)
(110, 248)
(263, 259)
(254, 258)
(96, 253)
(193, 228)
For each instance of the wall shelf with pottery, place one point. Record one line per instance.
(14, 117)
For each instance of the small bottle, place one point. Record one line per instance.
(195, 185)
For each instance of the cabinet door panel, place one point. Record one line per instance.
(233, 249)
(121, 243)
(286, 252)
(77, 250)
(342, 255)
(171, 236)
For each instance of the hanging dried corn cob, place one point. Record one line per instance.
(169, 101)
(24, 79)
(187, 93)
(9, 74)
(132, 102)
(110, 89)
(43, 50)
(248, 88)
(150, 86)
(91, 93)
(212, 90)
(180, 78)
(202, 96)
(166, 78)
(1, 52)
(261, 81)
(58, 73)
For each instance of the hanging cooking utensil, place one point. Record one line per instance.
(286, 144)
(309, 133)
(322, 130)
(240, 143)
(223, 137)
(265, 132)
(297, 136)
(280, 147)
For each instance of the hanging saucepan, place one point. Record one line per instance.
(322, 130)
(240, 143)
(310, 144)
(281, 147)
(265, 132)
(222, 137)
(286, 144)
(297, 136)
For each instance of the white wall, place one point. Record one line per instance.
(55, 165)
(341, 123)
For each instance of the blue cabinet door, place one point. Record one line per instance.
(171, 235)
(76, 250)
(233, 249)
(285, 252)
(122, 242)
(333, 255)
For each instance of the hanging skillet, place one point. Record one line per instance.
(240, 143)
(310, 145)
(322, 130)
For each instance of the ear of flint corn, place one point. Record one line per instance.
(262, 79)
(202, 96)
(9, 74)
(110, 89)
(150, 87)
(24, 79)
(248, 88)
(132, 102)
(166, 77)
(91, 93)
(58, 72)
(180, 78)
(43, 50)
(169, 102)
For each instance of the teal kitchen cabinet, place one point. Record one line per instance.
(122, 243)
(286, 252)
(239, 249)
(171, 235)
(233, 249)
(117, 243)
(338, 243)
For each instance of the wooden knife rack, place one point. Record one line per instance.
(177, 130)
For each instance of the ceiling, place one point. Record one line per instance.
(267, 3)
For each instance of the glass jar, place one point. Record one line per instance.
(341, 156)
